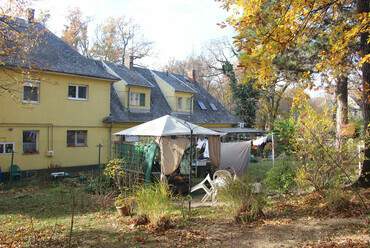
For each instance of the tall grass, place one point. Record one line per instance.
(154, 201)
(240, 200)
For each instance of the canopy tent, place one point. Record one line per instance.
(167, 126)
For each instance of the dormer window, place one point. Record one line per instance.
(179, 103)
(213, 106)
(187, 104)
(201, 105)
(137, 99)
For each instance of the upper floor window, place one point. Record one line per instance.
(179, 103)
(213, 106)
(30, 142)
(76, 138)
(77, 92)
(137, 99)
(6, 148)
(201, 105)
(31, 92)
(187, 103)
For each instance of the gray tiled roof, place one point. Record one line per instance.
(159, 105)
(130, 77)
(174, 82)
(50, 53)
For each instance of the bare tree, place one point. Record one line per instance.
(119, 37)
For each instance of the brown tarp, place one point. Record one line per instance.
(235, 157)
(172, 151)
(214, 143)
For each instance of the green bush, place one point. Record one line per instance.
(238, 195)
(281, 177)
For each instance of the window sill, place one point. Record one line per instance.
(77, 99)
(75, 146)
(31, 153)
(31, 102)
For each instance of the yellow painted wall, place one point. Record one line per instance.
(172, 96)
(123, 90)
(184, 96)
(52, 117)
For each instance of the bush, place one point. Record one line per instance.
(245, 205)
(281, 177)
(153, 201)
(335, 198)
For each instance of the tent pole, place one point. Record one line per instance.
(191, 161)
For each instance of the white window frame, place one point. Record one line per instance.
(187, 103)
(179, 102)
(136, 97)
(33, 84)
(76, 144)
(77, 91)
(3, 151)
(37, 141)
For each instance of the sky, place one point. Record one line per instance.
(178, 28)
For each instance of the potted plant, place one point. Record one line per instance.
(124, 205)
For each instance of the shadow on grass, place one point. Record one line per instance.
(51, 202)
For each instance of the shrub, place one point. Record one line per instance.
(334, 197)
(281, 177)
(238, 195)
(153, 201)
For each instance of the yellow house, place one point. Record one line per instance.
(61, 110)
(55, 115)
(170, 94)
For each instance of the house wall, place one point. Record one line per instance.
(172, 96)
(123, 91)
(51, 118)
(184, 96)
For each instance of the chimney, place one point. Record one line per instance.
(191, 75)
(128, 61)
(31, 15)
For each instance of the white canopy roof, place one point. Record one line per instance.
(167, 126)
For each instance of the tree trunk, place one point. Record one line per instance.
(364, 180)
(342, 106)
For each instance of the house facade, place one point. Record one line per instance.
(54, 114)
(61, 110)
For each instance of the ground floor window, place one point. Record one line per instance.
(76, 138)
(30, 142)
(6, 148)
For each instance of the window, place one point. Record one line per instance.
(201, 105)
(213, 106)
(179, 103)
(30, 142)
(137, 99)
(77, 92)
(31, 92)
(76, 138)
(6, 148)
(187, 103)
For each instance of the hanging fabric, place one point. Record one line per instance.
(214, 144)
(172, 151)
(235, 157)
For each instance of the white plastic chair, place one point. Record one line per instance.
(202, 185)
(220, 179)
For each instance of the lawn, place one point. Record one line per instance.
(40, 216)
